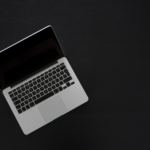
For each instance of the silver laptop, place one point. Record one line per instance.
(38, 81)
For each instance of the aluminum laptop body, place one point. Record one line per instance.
(38, 81)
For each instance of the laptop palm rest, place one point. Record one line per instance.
(52, 109)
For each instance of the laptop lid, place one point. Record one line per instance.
(28, 55)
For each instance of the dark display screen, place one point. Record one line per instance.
(28, 55)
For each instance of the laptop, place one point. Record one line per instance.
(37, 80)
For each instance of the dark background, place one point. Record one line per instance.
(107, 42)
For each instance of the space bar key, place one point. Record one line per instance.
(44, 97)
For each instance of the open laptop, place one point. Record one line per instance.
(38, 81)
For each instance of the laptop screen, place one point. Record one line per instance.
(28, 55)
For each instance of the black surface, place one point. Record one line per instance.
(108, 45)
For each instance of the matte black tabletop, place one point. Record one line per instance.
(108, 45)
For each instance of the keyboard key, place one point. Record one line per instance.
(27, 106)
(14, 90)
(22, 99)
(57, 85)
(66, 71)
(68, 84)
(30, 81)
(46, 81)
(34, 82)
(17, 102)
(58, 75)
(41, 88)
(64, 87)
(58, 70)
(23, 108)
(46, 76)
(53, 87)
(27, 91)
(38, 80)
(15, 93)
(44, 97)
(30, 95)
(49, 84)
(34, 93)
(57, 80)
(54, 72)
(53, 82)
(61, 72)
(72, 83)
(23, 89)
(26, 97)
(23, 94)
(37, 91)
(31, 85)
(61, 78)
(19, 96)
(67, 79)
(11, 95)
(60, 88)
(18, 88)
(38, 95)
(38, 85)
(62, 67)
(41, 93)
(22, 86)
(42, 83)
(26, 102)
(30, 89)
(34, 87)
(50, 74)
(27, 87)
(34, 98)
(14, 99)
(32, 104)
(18, 106)
(30, 100)
(61, 83)
(54, 77)
(50, 79)
(19, 91)
(45, 86)
(56, 90)
(49, 89)
(42, 78)
(19, 111)
(45, 91)
(10, 92)
(22, 104)
(65, 76)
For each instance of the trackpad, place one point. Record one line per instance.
(52, 109)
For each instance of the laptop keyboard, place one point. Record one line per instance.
(41, 87)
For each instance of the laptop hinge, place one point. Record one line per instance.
(33, 73)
